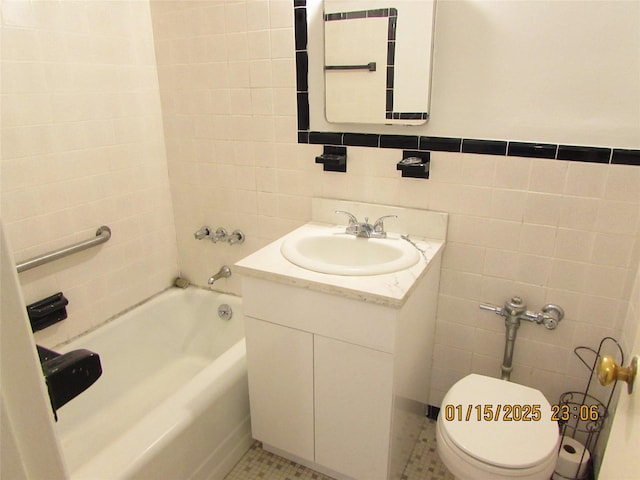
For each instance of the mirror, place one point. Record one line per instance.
(377, 61)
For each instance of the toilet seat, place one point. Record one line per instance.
(466, 467)
(492, 440)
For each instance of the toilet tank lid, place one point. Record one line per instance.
(499, 422)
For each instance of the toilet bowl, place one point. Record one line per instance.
(491, 429)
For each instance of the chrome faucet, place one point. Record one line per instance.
(204, 232)
(365, 229)
(224, 272)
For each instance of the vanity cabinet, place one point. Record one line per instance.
(325, 401)
(330, 377)
(339, 366)
(353, 408)
(281, 379)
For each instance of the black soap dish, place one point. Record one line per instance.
(334, 159)
(414, 164)
(47, 311)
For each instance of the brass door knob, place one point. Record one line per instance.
(609, 371)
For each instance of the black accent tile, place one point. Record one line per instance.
(626, 157)
(391, 32)
(389, 100)
(299, 3)
(303, 111)
(389, 115)
(393, 12)
(399, 141)
(533, 150)
(390, 77)
(353, 15)
(361, 139)
(302, 71)
(330, 17)
(440, 144)
(584, 154)
(410, 115)
(330, 138)
(303, 137)
(485, 147)
(300, 23)
(391, 53)
(378, 12)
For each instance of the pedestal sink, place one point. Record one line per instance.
(342, 254)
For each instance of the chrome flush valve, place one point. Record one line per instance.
(515, 309)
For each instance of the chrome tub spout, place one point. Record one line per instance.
(224, 272)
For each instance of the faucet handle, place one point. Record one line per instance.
(203, 232)
(352, 218)
(378, 227)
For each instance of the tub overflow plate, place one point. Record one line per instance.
(225, 312)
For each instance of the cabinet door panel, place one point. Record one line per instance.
(353, 402)
(280, 362)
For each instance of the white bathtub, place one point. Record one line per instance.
(172, 402)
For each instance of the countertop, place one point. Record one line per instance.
(391, 289)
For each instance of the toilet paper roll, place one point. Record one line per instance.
(571, 462)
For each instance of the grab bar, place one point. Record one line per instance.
(371, 66)
(102, 235)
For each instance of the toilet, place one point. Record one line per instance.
(478, 442)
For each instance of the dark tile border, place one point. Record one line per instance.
(532, 150)
(618, 156)
(625, 157)
(485, 147)
(584, 154)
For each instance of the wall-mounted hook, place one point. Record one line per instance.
(609, 372)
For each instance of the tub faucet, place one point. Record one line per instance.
(224, 272)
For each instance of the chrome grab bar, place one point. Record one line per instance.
(102, 235)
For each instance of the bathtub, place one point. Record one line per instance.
(172, 402)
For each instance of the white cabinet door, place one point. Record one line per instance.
(280, 363)
(353, 402)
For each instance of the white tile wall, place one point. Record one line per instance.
(82, 146)
(550, 231)
(80, 94)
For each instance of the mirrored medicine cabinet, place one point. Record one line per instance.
(377, 60)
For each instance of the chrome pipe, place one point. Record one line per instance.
(512, 325)
(103, 234)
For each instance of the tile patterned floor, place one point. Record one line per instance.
(258, 464)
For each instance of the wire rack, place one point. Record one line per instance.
(586, 414)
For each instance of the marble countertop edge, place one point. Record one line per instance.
(390, 289)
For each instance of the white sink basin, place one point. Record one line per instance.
(342, 254)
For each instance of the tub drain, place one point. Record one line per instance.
(225, 312)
